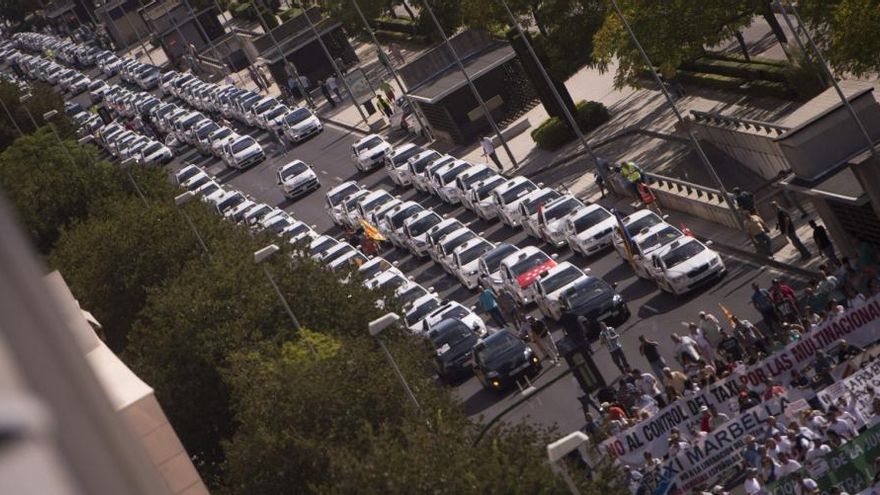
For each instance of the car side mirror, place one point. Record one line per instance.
(554, 256)
(614, 285)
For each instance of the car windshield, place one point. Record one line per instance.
(369, 271)
(186, 174)
(335, 255)
(405, 155)
(452, 243)
(242, 144)
(422, 225)
(496, 345)
(488, 187)
(494, 258)
(660, 238)
(377, 202)
(418, 313)
(561, 209)
(275, 112)
(590, 219)
(440, 232)
(230, 202)
(411, 294)
(449, 333)
(266, 105)
(534, 260)
(514, 191)
(454, 172)
(399, 217)
(636, 226)
(149, 150)
(682, 253)
(322, 246)
(369, 143)
(221, 134)
(296, 116)
(393, 283)
(207, 129)
(208, 189)
(585, 292)
(472, 253)
(532, 206)
(278, 225)
(456, 311)
(419, 165)
(351, 203)
(296, 230)
(293, 170)
(560, 279)
(475, 177)
(338, 196)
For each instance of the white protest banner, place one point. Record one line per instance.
(855, 386)
(713, 458)
(858, 326)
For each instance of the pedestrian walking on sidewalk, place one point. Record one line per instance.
(823, 242)
(611, 339)
(651, 350)
(489, 151)
(384, 106)
(255, 77)
(760, 234)
(333, 86)
(744, 200)
(326, 93)
(785, 225)
(490, 305)
(538, 332)
(387, 89)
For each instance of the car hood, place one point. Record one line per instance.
(591, 232)
(596, 306)
(306, 124)
(457, 350)
(507, 361)
(697, 264)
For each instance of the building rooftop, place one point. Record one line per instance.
(822, 105)
(451, 79)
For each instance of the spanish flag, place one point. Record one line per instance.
(371, 232)
(728, 314)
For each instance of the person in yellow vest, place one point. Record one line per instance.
(631, 172)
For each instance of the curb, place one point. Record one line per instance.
(761, 260)
(349, 127)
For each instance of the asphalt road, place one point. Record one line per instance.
(654, 313)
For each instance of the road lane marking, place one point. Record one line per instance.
(651, 308)
(324, 172)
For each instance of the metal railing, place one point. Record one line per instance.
(717, 119)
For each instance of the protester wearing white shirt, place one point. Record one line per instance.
(787, 465)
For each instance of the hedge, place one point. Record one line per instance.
(743, 70)
(554, 132)
(738, 57)
(726, 83)
(289, 14)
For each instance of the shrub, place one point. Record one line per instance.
(740, 69)
(289, 14)
(554, 132)
(805, 79)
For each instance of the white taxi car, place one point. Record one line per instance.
(335, 198)
(296, 178)
(489, 265)
(552, 216)
(519, 270)
(466, 260)
(589, 230)
(369, 152)
(508, 197)
(684, 264)
(648, 241)
(549, 286)
(415, 231)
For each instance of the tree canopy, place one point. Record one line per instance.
(848, 32)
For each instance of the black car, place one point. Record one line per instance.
(596, 301)
(501, 358)
(452, 343)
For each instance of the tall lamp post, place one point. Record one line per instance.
(376, 327)
(416, 110)
(470, 83)
(691, 136)
(126, 165)
(179, 201)
(11, 118)
(259, 258)
(333, 62)
(561, 448)
(565, 111)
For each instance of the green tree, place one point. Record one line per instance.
(50, 190)
(43, 99)
(848, 32)
(344, 12)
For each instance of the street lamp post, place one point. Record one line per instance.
(333, 63)
(263, 255)
(416, 110)
(470, 83)
(565, 111)
(205, 35)
(179, 201)
(376, 327)
(691, 136)
(126, 165)
(561, 448)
